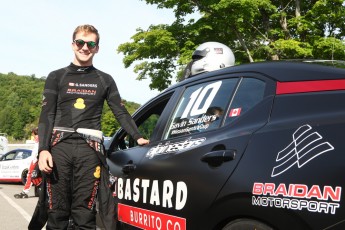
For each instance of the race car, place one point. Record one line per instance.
(14, 165)
(254, 146)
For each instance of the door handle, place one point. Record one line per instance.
(128, 168)
(216, 158)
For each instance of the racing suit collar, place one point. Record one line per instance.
(81, 69)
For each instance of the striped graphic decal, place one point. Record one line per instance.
(309, 86)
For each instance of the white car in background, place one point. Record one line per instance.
(14, 165)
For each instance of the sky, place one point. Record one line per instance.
(36, 37)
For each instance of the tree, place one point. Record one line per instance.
(20, 103)
(254, 30)
(109, 123)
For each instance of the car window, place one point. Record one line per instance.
(19, 155)
(9, 156)
(145, 128)
(146, 122)
(249, 93)
(201, 107)
(26, 154)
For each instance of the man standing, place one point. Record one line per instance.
(70, 141)
(28, 183)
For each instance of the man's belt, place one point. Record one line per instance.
(89, 132)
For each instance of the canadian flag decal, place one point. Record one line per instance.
(235, 112)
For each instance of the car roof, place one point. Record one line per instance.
(283, 71)
(20, 149)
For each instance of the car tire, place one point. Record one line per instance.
(24, 175)
(246, 224)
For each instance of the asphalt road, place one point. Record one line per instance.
(15, 214)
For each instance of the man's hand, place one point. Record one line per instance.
(45, 161)
(142, 141)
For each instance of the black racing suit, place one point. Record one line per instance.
(73, 98)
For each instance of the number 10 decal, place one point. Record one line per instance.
(198, 96)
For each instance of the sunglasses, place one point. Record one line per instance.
(80, 43)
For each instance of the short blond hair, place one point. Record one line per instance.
(86, 29)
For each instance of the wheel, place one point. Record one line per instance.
(24, 175)
(246, 224)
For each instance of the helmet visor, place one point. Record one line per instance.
(198, 54)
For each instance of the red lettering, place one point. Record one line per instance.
(291, 186)
(269, 188)
(281, 190)
(315, 192)
(49, 191)
(300, 191)
(93, 195)
(330, 193)
(257, 188)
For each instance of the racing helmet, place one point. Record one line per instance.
(211, 56)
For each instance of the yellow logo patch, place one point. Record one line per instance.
(79, 104)
(97, 172)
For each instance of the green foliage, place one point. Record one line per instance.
(109, 123)
(20, 104)
(254, 30)
(292, 49)
(329, 48)
(157, 43)
(147, 127)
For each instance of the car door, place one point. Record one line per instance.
(13, 164)
(173, 181)
(5, 164)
